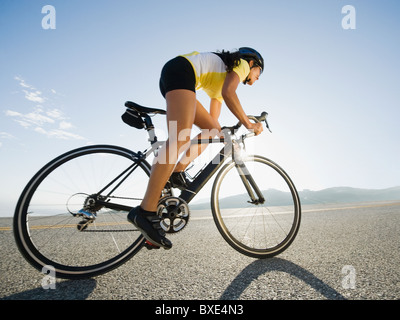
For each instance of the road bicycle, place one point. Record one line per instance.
(72, 215)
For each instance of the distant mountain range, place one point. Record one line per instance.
(347, 194)
(325, 196)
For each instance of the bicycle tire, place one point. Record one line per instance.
(260, 230)
(67, 246)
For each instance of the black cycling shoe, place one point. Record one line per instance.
(179, 180)
(149, 225)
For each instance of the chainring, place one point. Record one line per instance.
(174, 213)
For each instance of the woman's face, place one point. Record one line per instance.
(254, 74)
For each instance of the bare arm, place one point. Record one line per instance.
(232, 101)
(215, 108)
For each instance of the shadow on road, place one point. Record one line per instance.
(260, 267)
(67, 290)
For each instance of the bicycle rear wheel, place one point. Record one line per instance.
(50, 227)
(262, 226)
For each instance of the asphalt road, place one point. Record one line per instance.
(342, 251)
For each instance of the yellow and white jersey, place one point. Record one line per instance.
(210, 72)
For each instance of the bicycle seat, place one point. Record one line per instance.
(143, 110)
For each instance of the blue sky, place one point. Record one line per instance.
(332, 94)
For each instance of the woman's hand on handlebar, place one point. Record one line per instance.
(257, 128)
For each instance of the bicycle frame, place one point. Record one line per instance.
(202, 177)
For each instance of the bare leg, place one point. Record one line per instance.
(210, 127)
(181, 110)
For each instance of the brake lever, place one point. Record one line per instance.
(266, 123)
(263, 117)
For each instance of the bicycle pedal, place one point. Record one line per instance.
(150, 246)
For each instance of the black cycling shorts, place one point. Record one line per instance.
(177, 73)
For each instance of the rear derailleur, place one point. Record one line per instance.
(88, 213)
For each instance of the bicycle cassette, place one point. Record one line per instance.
(174, 214)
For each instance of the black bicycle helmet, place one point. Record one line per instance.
(249, 54)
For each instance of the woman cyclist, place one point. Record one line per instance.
(219, 75)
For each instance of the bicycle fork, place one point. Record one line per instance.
(249, 184)
(245, 176)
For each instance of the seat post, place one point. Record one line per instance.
(150, 129)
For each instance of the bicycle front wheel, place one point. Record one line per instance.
(256, 207)
(53, 228)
